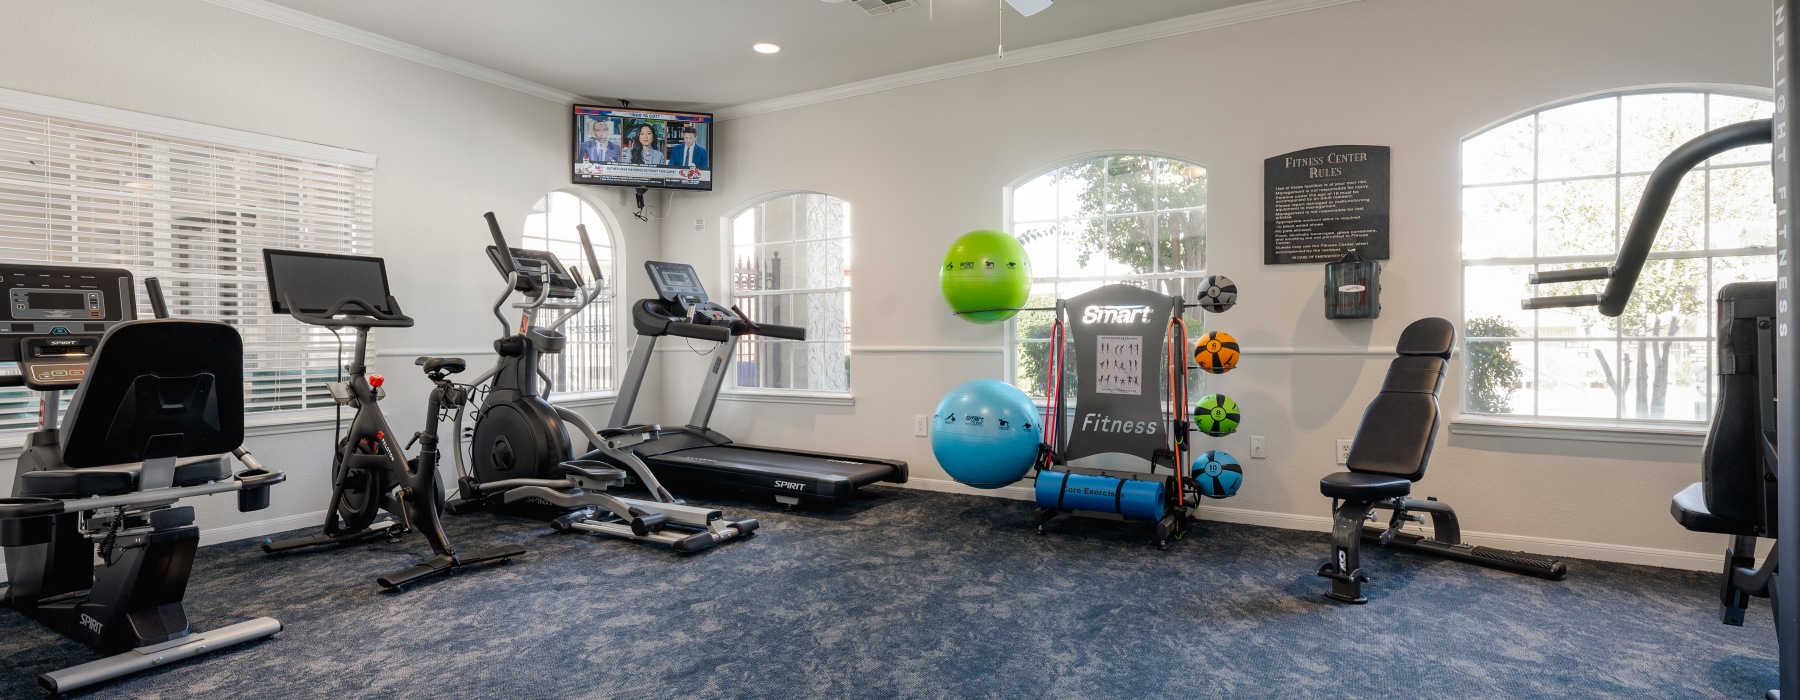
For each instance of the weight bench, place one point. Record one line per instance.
(1393, 445)
(1737, 491)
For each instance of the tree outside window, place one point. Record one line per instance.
(1555, 190)
(1127, 218)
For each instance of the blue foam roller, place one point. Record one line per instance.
(1140, 500)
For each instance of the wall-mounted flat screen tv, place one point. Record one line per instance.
(629, 147)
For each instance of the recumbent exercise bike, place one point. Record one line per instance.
(157, 405)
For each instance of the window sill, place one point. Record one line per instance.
(1641, 433)
(820, 398)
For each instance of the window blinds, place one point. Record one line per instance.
(194, 213)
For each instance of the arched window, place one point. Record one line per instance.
(1133, 218)
(587, 363)
(1555, 189)
(790, 265)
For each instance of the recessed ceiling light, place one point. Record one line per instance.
(766, 47)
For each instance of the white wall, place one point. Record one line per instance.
(923, 164)
(449, 148)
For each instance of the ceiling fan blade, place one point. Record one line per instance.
(1029, 7)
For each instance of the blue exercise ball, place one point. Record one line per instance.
(985, 433)
(1217, 474)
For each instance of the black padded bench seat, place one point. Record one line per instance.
(114, 481)
(1357, 486)
(1689, 509)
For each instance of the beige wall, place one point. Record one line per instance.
(925, 163)
(449, 148)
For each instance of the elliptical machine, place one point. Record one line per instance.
(370, 471)
(157, 404)
(520, 448)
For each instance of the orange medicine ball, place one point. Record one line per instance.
(1217, 352)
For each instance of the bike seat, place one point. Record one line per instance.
(451, 365)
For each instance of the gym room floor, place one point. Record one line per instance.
(917, 594)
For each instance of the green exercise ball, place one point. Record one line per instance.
(985, 270)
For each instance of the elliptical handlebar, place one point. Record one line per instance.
(1659, 191)
(589, 292)
(506, 265)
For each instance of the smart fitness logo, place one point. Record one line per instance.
(1097, 422)
(1137, 313)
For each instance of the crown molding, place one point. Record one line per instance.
(1032, 54)
(1131, 35)
(394, 47)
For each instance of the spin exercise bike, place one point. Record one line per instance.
(370, 470)
(520, 448)
(157, 405)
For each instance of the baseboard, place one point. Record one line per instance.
(260, 528)
(1016, 493)
(1597, 551)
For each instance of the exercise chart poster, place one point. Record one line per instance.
(1119, 365)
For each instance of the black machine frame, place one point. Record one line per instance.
(1786, 41)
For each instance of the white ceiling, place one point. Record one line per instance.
(696, 54)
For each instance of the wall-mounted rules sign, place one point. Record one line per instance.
(1321, 202)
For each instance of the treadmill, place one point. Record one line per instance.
(696, 455)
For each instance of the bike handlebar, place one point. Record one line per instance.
(359, 313)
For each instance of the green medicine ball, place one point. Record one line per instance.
(1216, 415)
(985, 270)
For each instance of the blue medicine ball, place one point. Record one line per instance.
(1216, 474)
(986, 433)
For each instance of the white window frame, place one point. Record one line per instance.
(616, 241)
(731, 391)
(1616, 430)
(360, 240)
(1010, 341)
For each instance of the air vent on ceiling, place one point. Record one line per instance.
(876, 7)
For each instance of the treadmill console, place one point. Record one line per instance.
(536, 269)
(55, 316)
(676, 282)
(681, 296)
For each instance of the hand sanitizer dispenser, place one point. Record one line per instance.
(1352, 288)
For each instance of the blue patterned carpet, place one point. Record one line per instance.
(925, 595)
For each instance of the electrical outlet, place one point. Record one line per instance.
(921, 426)
(1343, 451)
(1256, 447)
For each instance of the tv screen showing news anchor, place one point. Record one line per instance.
(642, 148)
